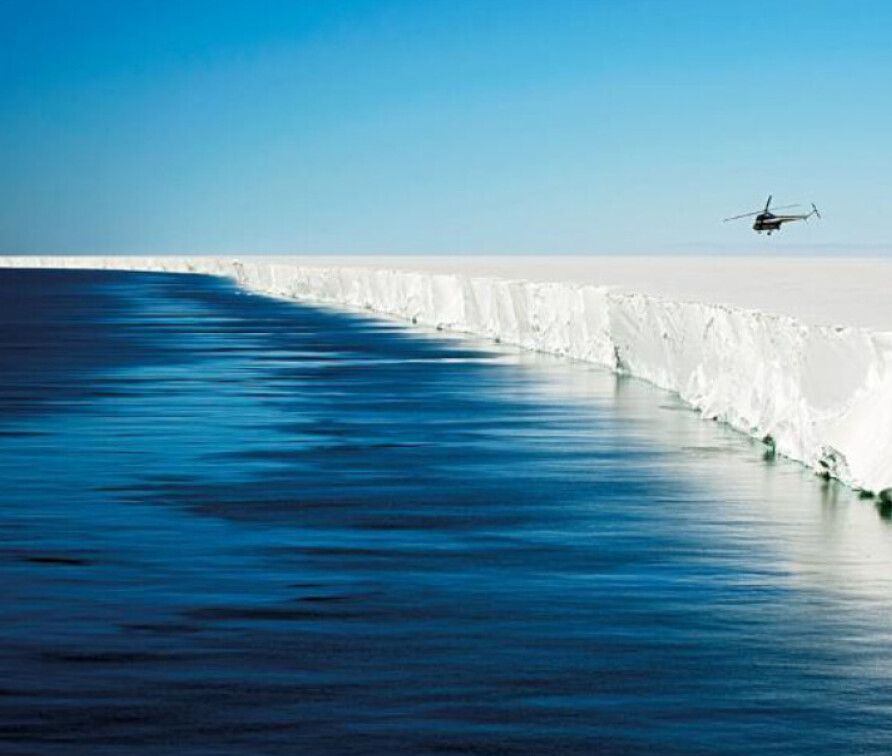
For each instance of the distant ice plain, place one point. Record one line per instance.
(794, 351)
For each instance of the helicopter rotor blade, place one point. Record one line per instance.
(758, 212)
(745, 215)
(768, 203)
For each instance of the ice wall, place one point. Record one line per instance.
(822, 395)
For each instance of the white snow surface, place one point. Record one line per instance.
(796, 350)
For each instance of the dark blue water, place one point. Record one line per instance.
(233, 525)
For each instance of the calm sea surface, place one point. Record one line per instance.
(234, 525)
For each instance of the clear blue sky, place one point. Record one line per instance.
(435, 126)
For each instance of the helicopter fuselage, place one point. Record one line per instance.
(770, 222)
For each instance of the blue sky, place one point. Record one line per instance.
(436, 127)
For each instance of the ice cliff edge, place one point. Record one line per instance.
(821, 395)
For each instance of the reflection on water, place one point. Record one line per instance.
(232, 525)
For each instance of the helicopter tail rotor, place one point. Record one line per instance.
(814, 211)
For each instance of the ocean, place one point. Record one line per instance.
(234, 525)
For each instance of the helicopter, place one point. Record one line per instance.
(767, 221)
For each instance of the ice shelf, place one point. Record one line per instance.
(820, 394)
